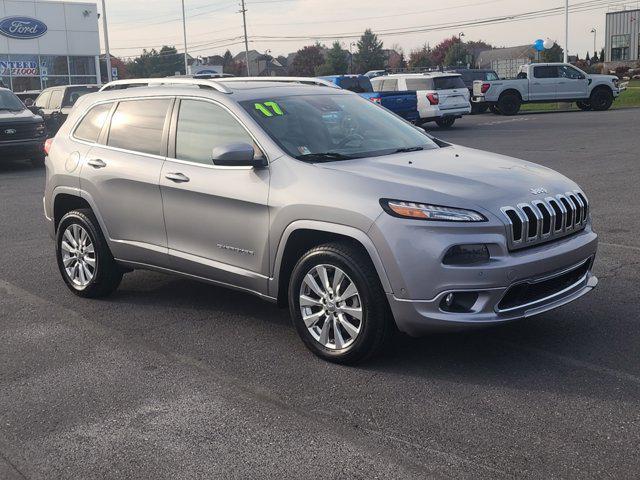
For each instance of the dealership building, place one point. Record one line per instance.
(622, 41)
(48, 43)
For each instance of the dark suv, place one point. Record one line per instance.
(471, 75)
(22, 133)
(56, 103)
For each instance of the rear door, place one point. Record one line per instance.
(217, 217)
(452, 91)
(544, 84)
(120, 174)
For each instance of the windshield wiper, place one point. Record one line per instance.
(326, 157)
(408, 149)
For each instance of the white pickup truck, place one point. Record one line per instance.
(548, 82)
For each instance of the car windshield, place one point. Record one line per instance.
(330, 127)
(8, 101)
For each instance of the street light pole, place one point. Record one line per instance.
(106, 40)
(566, 31)
(595, 33)
(184, 33)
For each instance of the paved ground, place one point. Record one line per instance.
(175, 379)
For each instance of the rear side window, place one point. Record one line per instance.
(448, 83)
(390, 85)
(202, 126)
(490, 76)
(56, 99)
(545, 72)
(377, 85)
(356, 84)
(43, 100)
(74, 93)
(137, 125)
(419, 84)
(91, 125)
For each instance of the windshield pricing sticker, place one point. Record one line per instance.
(269, 109)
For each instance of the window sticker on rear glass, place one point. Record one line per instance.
(269, 109)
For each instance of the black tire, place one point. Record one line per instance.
(479, 109)
(601, 99)
(495, 109)
(107, 275)
(445, 122)
(376, 324)
(584, 105)
(509, 104)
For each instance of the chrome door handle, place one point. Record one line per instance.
(97, 163)
(177, 177)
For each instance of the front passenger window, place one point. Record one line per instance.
(202, 126)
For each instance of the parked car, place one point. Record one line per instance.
(55, 103)
(548, 82)
(441, 97)
(28, 97)
(375, 73)
(404, 104)
(313, 198)
(469, 76)
(22, 133)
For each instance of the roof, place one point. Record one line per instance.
(418, 75)
(508, 53)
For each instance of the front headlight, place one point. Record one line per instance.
(423, 211)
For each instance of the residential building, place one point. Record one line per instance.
(507, 61)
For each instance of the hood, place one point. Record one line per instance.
(24, 116)
(601, 77)
(458, 176)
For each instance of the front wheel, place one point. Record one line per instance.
(445, 122)
(84, 259)
(584, 105)
(337, 304)
(601, 99)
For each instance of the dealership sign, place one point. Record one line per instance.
(19, 69)
(22, 28)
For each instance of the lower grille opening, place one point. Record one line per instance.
(526, 293)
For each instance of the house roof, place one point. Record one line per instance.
(508, 53)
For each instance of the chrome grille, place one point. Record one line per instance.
(544, 220)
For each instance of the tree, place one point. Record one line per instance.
(369, 55)
(456, 55)
(553, 54)
(307, 60)
(440, 50)
(421, 58)
(475, 48)
(602, 55)
(595, 58)
(336, 62)
(153, 63)
(587, 58)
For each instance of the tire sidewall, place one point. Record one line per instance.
(80, 219)
(369, 307)
(509, 100)
(601, 95)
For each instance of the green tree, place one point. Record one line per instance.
(369, 55)
(456, 55)
(440, 50)
(553, 54)
(602, 55)
(306, 61)
(336, 62)
(153, 63)
(421, 58)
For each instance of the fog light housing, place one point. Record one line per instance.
(466, 254)
(459, 302)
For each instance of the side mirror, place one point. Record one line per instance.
(237, 155)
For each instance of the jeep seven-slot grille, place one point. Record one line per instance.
(545, 220)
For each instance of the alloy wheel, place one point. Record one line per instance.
(331, 307)
(78, 255)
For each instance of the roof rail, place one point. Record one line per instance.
(303, 80)
(145, 82)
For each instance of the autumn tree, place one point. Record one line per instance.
(421, 58)
(307, 60)
(440, 50)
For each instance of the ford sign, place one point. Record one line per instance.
(22, 27)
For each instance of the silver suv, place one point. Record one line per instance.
(315, 198)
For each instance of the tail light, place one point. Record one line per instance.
(433, 98)
(485, 87)
(377, 100)
(47, 145)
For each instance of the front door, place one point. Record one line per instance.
(544, 84)
(572, 84)
(120, 174)
(217, 218)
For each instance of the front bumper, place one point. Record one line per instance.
(22, 149)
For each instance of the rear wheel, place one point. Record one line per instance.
(601, 99)
(495, 110)
(477, 109)
(84, 259)
(445, 122)
(509, 104)
(337, 304)
(584, 105)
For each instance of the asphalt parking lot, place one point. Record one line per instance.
(174, 379)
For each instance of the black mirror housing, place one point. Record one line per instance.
(237, 155)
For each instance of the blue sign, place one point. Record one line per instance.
(22, 28)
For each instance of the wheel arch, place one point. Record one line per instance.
(510, 91)
(301, 236)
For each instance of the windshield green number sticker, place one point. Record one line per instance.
(264, 109)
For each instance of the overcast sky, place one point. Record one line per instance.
(215, 25)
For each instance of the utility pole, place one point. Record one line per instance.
(184, 33)
(246, 40)
(106, 40)
(566, 31)
(595, 33)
